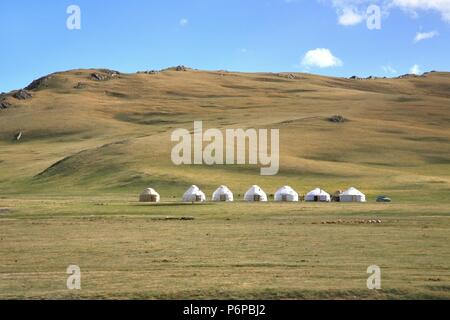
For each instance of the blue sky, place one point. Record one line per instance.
(328, 37)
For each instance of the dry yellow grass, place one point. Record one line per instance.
(115, 138)
(129, 251)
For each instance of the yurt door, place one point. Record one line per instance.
(284, 197)
(152, 198)
(256, 197)
(198, 198)
(223, 197)
(316, 198)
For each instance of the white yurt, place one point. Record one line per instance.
(149, 195)
(352, 195)
(255, 193)
(194, 194)
(318, 195)
(286, 193)
(222, 194)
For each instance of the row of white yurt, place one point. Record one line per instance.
(194, 194)
(286, 193)
(318, 195)
(352, 195)
(223, 194)
(256, 194)
(149, 195)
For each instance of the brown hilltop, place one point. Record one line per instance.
(116, 130)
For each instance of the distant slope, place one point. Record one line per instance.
(103, 131)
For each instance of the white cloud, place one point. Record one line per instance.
(389, 70)
(350, 17)
(321, 58)
(441, 6)
(415, 69)
(184, 22)
(425, 35)
(411, 6)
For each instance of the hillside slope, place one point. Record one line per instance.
(99, 131)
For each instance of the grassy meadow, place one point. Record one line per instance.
(69, 188)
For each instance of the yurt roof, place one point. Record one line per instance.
(317, 192)
(149, 191)
(352, 192)
(193, 188)
(223, 189)
(286, 189)
(255, 188)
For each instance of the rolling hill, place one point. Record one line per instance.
(77, 147)
(101, 131)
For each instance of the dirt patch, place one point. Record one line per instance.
(4, 211)
(353, 221)
(179, 218)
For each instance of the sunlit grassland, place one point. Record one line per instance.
(69, 189)
(238, 250)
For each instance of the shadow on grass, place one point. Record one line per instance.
(267, 294)
(170, 204)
